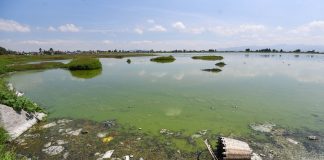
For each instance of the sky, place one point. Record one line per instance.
(27, 25)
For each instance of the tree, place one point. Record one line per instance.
(297, 51)
(248, 50)
(3, 51)
(40, 50)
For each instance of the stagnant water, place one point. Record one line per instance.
(284, 89)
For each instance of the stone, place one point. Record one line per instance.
(292, 141)
(75, 132)
(108, 154)
(101, 135)
(61, 142)
(53, 150)
(47, 144)
(84, 132)
(16, 123)
(66, 155)
(63, 121)
(195, 136)
(49, 125)
(255, 156)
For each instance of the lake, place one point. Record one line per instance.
(283, 89)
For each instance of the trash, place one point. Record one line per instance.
(108, 154)
(126, 157)
(312, 138)
(75, 132)
(101, 135)
(53, 150)
(292, 141)
(107, 139)
(229, 148)
(266, 127)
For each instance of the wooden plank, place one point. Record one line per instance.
(210, 150)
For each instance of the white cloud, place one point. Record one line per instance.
(244, 28)
(106, 41)
(51, 28)
(69, 28)
(13, 26)
(138, 31)
(179, 25)
(310, 27)
(158, 28)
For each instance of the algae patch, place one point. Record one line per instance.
(164, 59)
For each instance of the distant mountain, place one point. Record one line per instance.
(285, 47)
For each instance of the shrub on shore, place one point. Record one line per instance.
(209, 58)
(83, 63)
(163, 59)
(18, 103)
(5, 154)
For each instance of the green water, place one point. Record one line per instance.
(285, 90)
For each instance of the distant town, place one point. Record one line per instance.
(51, 51)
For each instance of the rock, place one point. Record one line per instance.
(126, 157)
(292, 141)
(255, 156)
(61, 130)
(84, 132)
(10, 87)
(75, 132)
(53, 150)
(49, 125)
(108, 154)
(195, 136)
(48, 144)
(266, 127)
(16, 123)
(139, 138)
(61, 142)
(66, 155)
(109, 123)
(63, 121)
(141, 158)
(97, 154)
(162, 131)
(312, 138)
(19, 94)
(101, 135)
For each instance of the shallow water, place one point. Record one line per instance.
(285, 90)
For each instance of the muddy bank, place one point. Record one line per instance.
(83, 139)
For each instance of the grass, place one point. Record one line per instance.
(84, 64)
(5, 154)
(209, 58)
(42, 65)
(215, 70)
(220, 64)
(86, 74)
(163, 59)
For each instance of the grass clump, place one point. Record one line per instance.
(220, 64)
(83, 63)
(209, 58)
(214, 70)
(163, 59)
(9, 98)
(36, 66)
(5, 154)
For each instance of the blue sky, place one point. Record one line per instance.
(166, 24)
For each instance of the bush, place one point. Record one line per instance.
(9, 98)
(84, 64)
(215, 70)
(164, 59)
(210, 58)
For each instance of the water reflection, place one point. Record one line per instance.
(86, 74)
